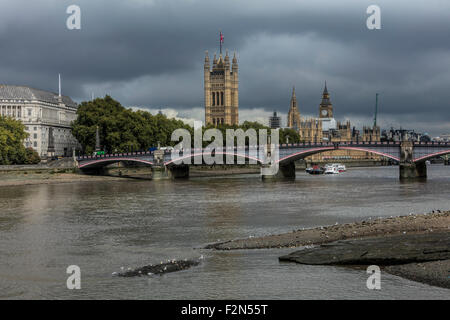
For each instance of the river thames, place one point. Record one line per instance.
(104, 226)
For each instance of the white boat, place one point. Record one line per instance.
(334, 168)
(331, 170)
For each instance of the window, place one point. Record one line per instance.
(213, 98)
(221, 99)
(29, 112)
(35, 136)
(35, 144)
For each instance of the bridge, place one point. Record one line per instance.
(411, 157)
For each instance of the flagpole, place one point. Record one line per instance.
(220, 41)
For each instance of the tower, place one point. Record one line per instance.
(221, 88)
(325, 108)
(293, 120)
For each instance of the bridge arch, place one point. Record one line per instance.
(431, 156)
(231, 153)
(308, 152)
(102, 162)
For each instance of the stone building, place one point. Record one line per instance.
(310, 130)
(293, 118)
(43, 113)
(221, 87)
(371, 134)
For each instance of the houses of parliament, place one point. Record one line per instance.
(326, 129)
(221, 93)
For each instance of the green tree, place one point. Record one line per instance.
(31, 156)
(12, 136)
(121, 129)
(288, 135)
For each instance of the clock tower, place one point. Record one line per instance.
(325, 107)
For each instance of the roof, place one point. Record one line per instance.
(27, 93)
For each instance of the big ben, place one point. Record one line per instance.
(325, 107)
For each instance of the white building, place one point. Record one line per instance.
(39, 111)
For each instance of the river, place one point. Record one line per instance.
(103, 226)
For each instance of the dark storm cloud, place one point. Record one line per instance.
(150, 53)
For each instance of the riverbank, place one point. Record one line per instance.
(418, 223)
(48, 177)
(421, 257)
(34, 175)
(415, 247)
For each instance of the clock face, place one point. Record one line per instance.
(324, 112)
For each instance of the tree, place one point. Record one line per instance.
(12, 136)
(121, 129)
(288, 135)
(32, 157)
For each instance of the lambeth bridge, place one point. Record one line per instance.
(411, 157)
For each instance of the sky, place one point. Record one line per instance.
(149, 54)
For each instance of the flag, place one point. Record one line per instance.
(221, 37)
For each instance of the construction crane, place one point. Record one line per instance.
(376, 110)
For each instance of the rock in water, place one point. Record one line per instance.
(162, 268)
(391, 250)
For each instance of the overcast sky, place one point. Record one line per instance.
(150, 53)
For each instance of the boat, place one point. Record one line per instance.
(335, 167)
(331, 170)
(315, 170)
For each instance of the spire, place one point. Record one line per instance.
(234, 58)
(227, 60)
(206, 65)
(325, 97)
(293, 98)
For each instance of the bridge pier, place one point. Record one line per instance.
(178, 172)
(408, 168)
(413, 170)
(285, 171)
(446, 160)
